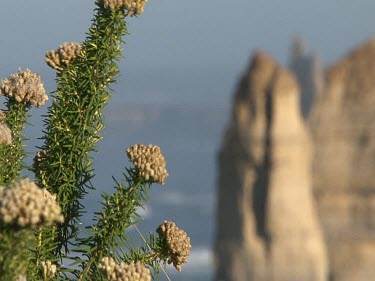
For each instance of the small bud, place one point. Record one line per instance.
(60, 58)
(149, 161)
(177, 243)
(132, 7)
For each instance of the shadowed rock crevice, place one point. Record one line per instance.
(260, 190)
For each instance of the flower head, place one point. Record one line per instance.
(5, 134)
(123, 271)
(149, 161)
(113, 5)
(26, 205)
(25, 87)
(177, 243)
(132, 7)
(60, 58)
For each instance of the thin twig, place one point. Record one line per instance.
(144, 240)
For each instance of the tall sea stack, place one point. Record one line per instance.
(267, 225)
(343, 129)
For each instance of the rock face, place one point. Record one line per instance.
(267, 225)
(308, 72)
(343, 128)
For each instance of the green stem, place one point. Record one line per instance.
(12, 156)
(74, 121)
(111, 223)
(14, 247)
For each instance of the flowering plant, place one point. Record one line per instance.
(41, 237)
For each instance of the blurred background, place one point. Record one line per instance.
(182, 62)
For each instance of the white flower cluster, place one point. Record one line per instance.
(25, 87)
(133, 7)
(177, 246)
(49, 270)
(149, 161)
(5, 134)
(26, 205)
(60, 58)
(123, 271)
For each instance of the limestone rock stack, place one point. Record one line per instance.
(267, 225)
(343, 127)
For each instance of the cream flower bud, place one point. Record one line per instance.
(149, 161)
(60, 58)
(25, 87)
(132, 7)
(177, 243)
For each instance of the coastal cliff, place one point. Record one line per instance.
(343, 130)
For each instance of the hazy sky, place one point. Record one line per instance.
(178, 45)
